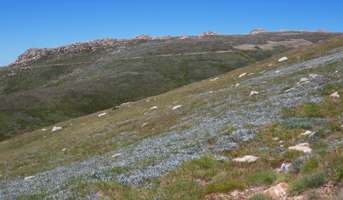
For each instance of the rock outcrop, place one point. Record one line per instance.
(33, 54)
(257, 31)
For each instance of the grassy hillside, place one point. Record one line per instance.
(61, 86)
(181, 143)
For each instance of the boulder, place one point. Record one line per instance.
(285, 167)
(176, 107)
(253, 93)
(313, 76)
(304, 147)
(278, 191)
(102, 114)
(28, 178)
(283, 59)
(116, 155)
(308, 133)
(153, 108)
(214, 79)
(247, 158)
(242, 75)
(56, 128)
(335, 95)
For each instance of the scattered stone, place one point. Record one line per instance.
(242, 75)
(289, 90)
(28, 178)
(308, 133)
(247, 158)
(335, 95)
(56, 128)
(125, 104)
(116, 155)
(253, 93)
(278, 191)
(221, 158)
(303, 80)
(214, 79)
(102, 114)
(283, 59)
(153, 108)
(176, 107)
(285, 167)
(304, 147)
(144, 124)
(313, 76)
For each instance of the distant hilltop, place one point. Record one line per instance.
(33, 54)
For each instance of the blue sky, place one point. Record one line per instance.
(50, 23)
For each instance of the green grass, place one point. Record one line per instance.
(260, 197)
(307, 182)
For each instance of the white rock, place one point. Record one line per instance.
(252, 93)
(313, 76)
(210, 92)
(102, 114)
(214, 79)
(64, 149)
(285, 167)
(237, 85)
(283, 59)
(247, 158)
(277, 71)
(28, 178)
(116, 155)
(288, 90)
(56, 128)
(176, 107)
(242, 75)
(144, 124)
(304, 80)
(44, 129)
(308, 133)
(304, 147)
(278, 191)
(335, 95)
(153, 108)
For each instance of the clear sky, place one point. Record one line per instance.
(50, 23)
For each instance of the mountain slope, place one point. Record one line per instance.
(143, 140)
(46, 86)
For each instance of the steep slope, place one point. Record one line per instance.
(220, 118)
(46, 86)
